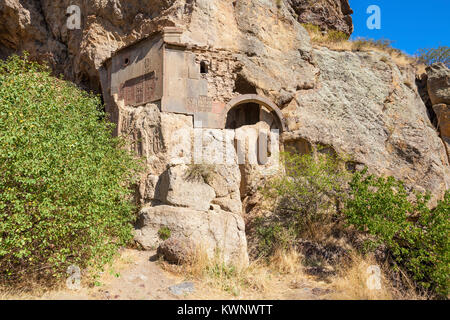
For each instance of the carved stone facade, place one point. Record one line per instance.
(178, 77)
(182, 109)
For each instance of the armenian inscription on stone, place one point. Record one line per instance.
(139, 90)
(199, 104)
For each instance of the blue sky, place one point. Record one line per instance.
(411, 24)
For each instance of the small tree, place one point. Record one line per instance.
(305, 199)
(64, 180)
(433, 55)
(416, 237)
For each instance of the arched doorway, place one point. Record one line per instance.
(249, 109)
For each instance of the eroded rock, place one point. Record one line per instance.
(214, 231)
(438, 83)
(177, 250)
(365, 108)
(328, 15)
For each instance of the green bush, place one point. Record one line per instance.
(305, 199)
(416, 237)
(164, 233)
(272, 236)
(432, 55)
(64, 180)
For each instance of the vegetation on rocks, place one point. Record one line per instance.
(316, 193)
(64, 181)
(433, 55)
(306, 198)
(339, 41)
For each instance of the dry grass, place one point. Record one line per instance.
(273, 278)
(351, 283)
(216, 274)
(286, 262)
(282, 277)
(339, 41)
(90, 277)
(262, 279)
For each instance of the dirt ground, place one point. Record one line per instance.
(136, 275)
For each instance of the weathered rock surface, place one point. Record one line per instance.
(209, 230)
(257, 31)
(438, 83)
(368, 109)
(443, 115)
(184, 191)
(438, 86)
(177, 250)
(182, 288)
(329, 15)
(253, 170)
(166, 141)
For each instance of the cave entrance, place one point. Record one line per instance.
(243, 115)
(249, 109)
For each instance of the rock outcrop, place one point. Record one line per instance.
(215, 231)
(367, 107)
(438, 85)
(442, 112)
(328, 15)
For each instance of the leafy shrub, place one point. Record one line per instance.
(305, 199)
(432, 55)
(416, 237)
(273, 236)
(164, 233)
(64, 180)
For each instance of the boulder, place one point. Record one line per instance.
(328, 15)
(443, 118)
(178, 188)
(215, 231)
(438, 83)
(177, 250)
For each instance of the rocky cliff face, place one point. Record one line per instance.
(327, 14)
(260, 30)
(438, 86)
(359, 104)
(366, 106)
